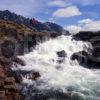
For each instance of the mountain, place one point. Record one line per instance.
(7, 15)
(56, 28)
(39, 26)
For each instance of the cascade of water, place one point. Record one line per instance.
(66, 76)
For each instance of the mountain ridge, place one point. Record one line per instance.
(39, 26)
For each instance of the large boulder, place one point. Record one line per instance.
(86, 59)
(92, 59)
(96, 51)
(86, 35)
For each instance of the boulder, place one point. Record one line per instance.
(92, 59)
(61, 56)
(86, 60)
(61, 53)
(35, 75)
(86, 35)
(96, 51)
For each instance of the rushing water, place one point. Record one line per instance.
(67, 77)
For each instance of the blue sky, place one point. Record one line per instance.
(68, 13)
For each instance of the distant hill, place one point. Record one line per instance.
(39, 26)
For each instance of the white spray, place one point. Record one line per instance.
(64, 75)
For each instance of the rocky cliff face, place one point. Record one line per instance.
(14, 40)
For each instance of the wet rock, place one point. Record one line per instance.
(92, 59)
(35, 94)
(86, 59)
(45, 95)
(19, 61)
(17, 74)
(35, 75)
(96, 51)
(61, 56)
(61, 53)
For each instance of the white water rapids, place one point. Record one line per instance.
(62, 76)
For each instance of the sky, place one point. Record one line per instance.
(73, 15)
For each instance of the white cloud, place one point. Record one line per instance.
(85, 21)
(92, 25)
(58, 3)
(67, 12)
(73, 28)
(84, 25)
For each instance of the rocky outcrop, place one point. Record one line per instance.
(90, 59)
(14, 40)
(87, 36)
(8, 89)
(86, 60)
(17, 39)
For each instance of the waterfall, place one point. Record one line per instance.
(67, 76)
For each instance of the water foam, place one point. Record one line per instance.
(64, 76)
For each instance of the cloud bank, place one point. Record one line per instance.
(84, 25)
(67, 12)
